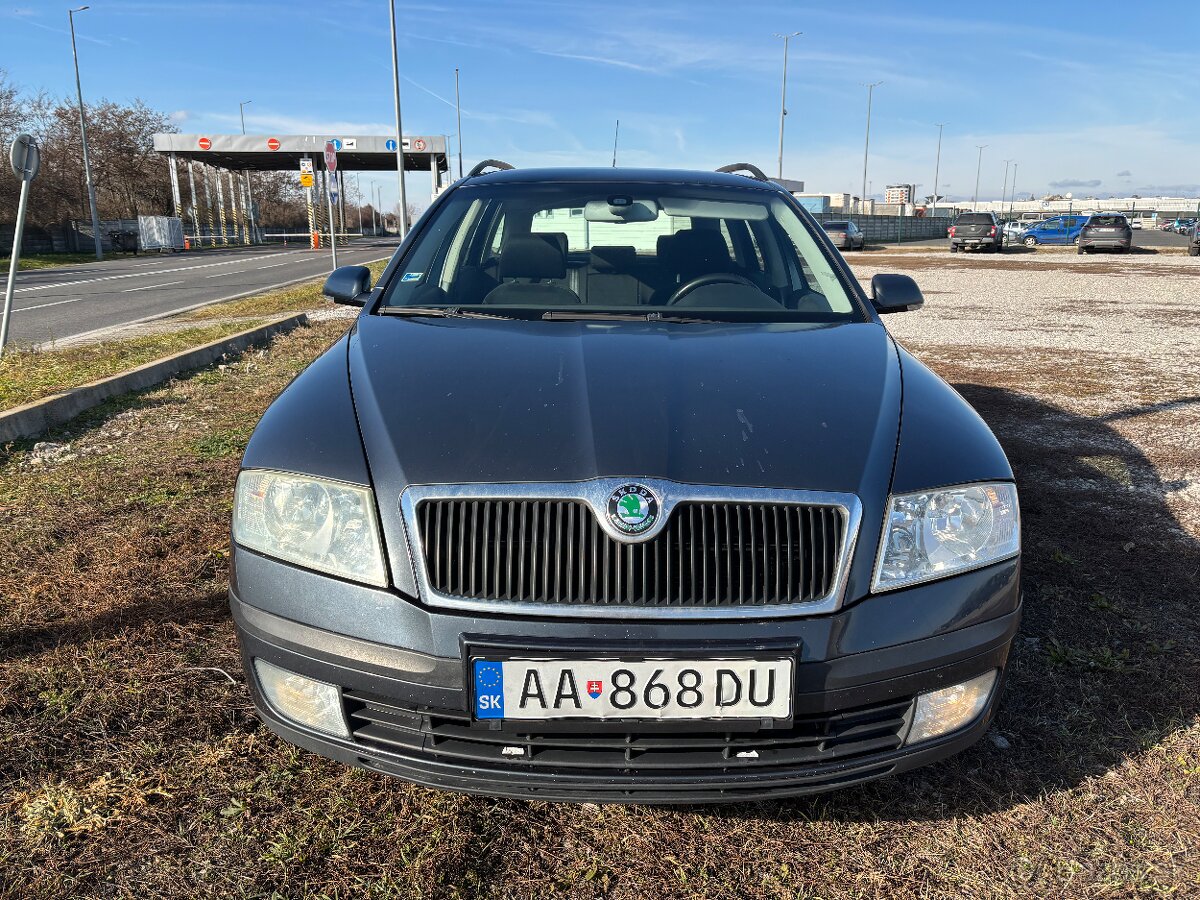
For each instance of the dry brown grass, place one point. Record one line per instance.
(131, 766)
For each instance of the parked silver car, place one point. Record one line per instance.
(845, 235)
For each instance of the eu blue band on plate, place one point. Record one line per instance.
(489, 690)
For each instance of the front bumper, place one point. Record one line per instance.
(857, 673)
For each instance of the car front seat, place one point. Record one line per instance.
(535, 259)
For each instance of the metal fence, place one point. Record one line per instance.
(894, 229)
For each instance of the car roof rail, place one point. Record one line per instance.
(755, 172)
(497, 164)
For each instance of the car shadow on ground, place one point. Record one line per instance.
(1106, 663)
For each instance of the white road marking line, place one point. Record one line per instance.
(150, 287)
(44, 305)
(224, 274)
(276, 265)
(61, 284)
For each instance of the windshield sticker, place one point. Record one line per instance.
(412, 276)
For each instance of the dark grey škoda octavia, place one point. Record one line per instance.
(618, 489)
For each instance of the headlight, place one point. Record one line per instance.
(946, 531)
(324, 525)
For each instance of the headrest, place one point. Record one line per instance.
(555, 238)
(695, 253)
(663, 250)
(531, 257)
(619, 258)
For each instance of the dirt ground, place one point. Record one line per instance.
(131, 764)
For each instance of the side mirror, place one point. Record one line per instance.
(895, 293)
(349, 285)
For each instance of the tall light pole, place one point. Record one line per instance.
(783, 92)
(87, 164)
(867, 146)
(458, 112)
(616, 135)
(1004, 190)
(1012, 196)
(937, 165)
(399, 128)
(978, 165)
(246, 174)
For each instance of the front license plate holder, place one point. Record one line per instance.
(652, 687)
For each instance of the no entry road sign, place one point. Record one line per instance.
(273, 144)
(205, 143)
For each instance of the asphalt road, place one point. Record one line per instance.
(53, 304)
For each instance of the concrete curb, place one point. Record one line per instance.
(34, 418)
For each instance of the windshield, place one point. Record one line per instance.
(596, 249)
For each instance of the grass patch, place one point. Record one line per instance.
(28, 375)
(48, 261)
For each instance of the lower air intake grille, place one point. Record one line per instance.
(711, 554)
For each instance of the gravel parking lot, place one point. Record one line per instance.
(1110, 336)
(131, 763)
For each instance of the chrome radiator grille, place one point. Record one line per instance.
(553, 551)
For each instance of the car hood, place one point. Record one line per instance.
(772, 405)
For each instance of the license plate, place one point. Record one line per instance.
(649, 689)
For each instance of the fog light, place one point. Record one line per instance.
(303, 700)
(948, 709)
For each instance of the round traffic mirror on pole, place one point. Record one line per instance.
(26, 159)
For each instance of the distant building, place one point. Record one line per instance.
(900, 193)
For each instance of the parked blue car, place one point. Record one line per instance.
(1055, 230)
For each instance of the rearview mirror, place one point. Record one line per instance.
(895, 293)
(350, 285)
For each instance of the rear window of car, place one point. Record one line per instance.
(974, 219)
(835, 226)
(1108, 221)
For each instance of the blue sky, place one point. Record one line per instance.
(1096, 97)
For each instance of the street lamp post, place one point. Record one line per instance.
(1012, 196)
(867, 146)
(399, 128)
(937, 165)
(458, 112)
(87, 164)
(978, 165)
(1004, 190)
(783, 92)
(246, 175)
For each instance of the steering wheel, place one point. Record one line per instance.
(705, 280)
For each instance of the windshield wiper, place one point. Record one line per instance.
(439, 312)
(562, 315)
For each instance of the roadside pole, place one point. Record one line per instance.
(330, 190)
(26, 159)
